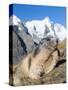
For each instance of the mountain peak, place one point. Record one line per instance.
(42, 28)
(14, 20)
(46, 19)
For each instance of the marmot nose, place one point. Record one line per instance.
(41, 74)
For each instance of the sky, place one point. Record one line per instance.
(38, 12)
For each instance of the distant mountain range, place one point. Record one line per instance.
(43, 28)
(39, 29)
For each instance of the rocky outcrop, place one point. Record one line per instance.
(21, 42)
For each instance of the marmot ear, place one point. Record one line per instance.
(29, 62)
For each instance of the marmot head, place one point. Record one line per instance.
(49, 42)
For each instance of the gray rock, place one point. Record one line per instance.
(21, 42)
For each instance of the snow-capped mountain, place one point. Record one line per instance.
(60, 31)
(20, 33)
(43, 28)
(15, 21)
(40, 29)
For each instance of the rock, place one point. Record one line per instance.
(20, 44)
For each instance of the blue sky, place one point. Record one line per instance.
(32, 12)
